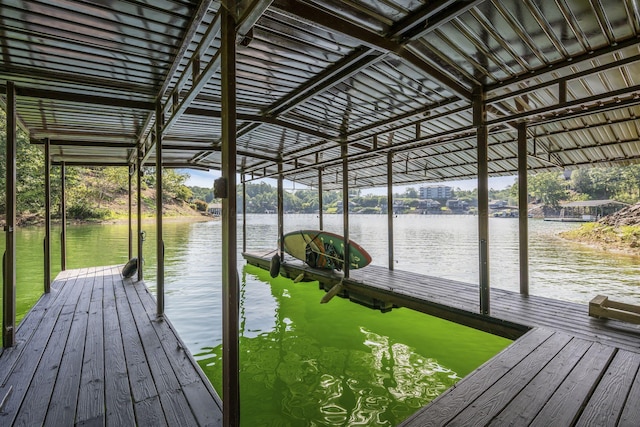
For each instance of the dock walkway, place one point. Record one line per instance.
(92, 352)
(564, 367)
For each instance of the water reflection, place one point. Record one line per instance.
(329, 364)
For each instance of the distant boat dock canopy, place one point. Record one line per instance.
(587, 210)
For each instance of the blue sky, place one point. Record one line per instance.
(205, 179)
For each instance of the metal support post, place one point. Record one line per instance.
(523, 202)
(230, 283)
(9, 283)
(244, 212)
(130, 202)
(63, 217)
(280, 209)
(479, 121)
(390, 207)
(344, 149)
(47, 215)
(320, 202)
(159, 241)
(139, 158)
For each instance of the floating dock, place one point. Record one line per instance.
(93, 352)
(563, 368)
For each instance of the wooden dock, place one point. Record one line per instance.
(564, 367)
(92, 352)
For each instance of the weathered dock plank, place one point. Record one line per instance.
(607, 402)
(118, 404)
(564, 406)
(446, 406)
(98, 356)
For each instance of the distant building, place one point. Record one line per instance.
(215, 209)
(457, 205)
(436, 192)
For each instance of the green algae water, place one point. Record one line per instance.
(339, 363)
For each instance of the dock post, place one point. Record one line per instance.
(390, 207)
(230, 285)
(344, 149)
(139, 158)
(47, 215)
(280, 210)
(482, 137)
(523, 201)
(320, 204)
(9, 283)
(63, 218)
(244, 212)
(130, 202)
(159, 241)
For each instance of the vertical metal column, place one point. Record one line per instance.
(344, 151)
(244, 212)
(9, 283)
(63, 217)
(280, 210)
(320, 203)
(159, 241)
(47, 215)
(139, 211)
(479, 121)
(523, 201)
(130, 253)
(230, 284)
(390, 207)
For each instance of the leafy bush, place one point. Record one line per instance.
(200, 205)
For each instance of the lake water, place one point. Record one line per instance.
(304, 363)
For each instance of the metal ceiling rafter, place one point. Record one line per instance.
(191, 111)
(436, 13)
(386, 131)
(430, 141)
(562, 65)
(564, 80)
(145, 130)
(372, 40)
(318, 150)
(56, 95)
(633, 92)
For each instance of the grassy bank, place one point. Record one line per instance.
(621, 239)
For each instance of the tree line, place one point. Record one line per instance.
(95, 193)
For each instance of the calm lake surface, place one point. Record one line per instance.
(339, 363)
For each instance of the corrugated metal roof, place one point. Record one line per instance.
(382, 76)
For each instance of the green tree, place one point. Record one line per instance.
(548, 187)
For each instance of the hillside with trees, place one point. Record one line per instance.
(96, 193)
(100, 193)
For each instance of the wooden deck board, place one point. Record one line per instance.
(568, 369)
(91, 353)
